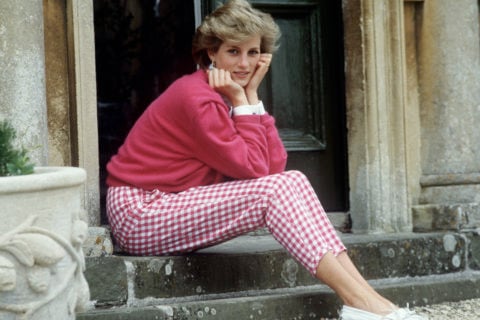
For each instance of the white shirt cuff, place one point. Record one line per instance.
(254, 109)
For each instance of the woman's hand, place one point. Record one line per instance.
(262, 68)
(221, 81)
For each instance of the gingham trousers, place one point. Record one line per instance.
(159, 223)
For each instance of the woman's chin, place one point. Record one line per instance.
(243, 83)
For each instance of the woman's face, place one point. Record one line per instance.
(239, 58)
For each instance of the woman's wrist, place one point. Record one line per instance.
(238, 100)
(252, 97)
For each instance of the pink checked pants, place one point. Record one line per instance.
(159, 223)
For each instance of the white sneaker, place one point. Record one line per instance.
(349, 313)
(404, 314)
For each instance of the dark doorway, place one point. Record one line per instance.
(144, 45)
(141, 47)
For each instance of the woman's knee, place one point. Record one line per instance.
(296, 176)
(283, 182)
(295, 173)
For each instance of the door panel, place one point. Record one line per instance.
(290, 92)
(304, 91)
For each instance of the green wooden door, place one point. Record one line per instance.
(304, 91)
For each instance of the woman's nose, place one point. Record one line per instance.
(243, 61)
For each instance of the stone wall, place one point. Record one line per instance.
(449, 86)
(22, 80)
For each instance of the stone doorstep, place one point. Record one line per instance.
(259, 264)
(310, 302)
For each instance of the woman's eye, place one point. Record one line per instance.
(253, 52)
(233, 51)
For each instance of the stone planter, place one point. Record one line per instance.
(42, 230)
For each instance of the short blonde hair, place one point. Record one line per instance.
(235, 21)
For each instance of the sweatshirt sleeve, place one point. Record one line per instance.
(235, 146)
(276, 149)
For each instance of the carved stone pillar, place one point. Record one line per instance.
(82, 54)
(22, 76)
(449, 74)
(42, 230)
(376, 100)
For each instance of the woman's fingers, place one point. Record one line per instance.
(262, 69)
(219, 78)
(221, 81)
(266, 59)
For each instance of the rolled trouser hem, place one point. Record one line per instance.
(312, 268)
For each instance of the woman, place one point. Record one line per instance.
(204, 164)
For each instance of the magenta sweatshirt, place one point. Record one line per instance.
(187, 137)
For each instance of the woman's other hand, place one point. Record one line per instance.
(251, 89)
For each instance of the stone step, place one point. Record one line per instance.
(312, 302)
(256, 268)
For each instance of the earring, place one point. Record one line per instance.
(212, 65)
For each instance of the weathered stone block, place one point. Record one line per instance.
(417, 256)
(99, 242)
(474, 250)
(107, 278)
(445, 216)
(146, 313)
(198, 274)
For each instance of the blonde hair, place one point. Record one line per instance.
(235, 21)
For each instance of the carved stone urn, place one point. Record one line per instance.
(42, 229)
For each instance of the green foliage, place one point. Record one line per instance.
(13, 161)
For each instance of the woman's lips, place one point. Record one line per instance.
(241, 74)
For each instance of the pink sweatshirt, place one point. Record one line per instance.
(188, 138)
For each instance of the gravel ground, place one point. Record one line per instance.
(466, 309)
